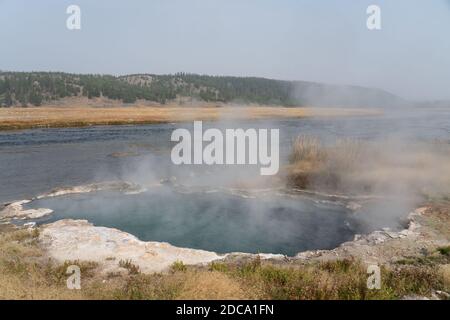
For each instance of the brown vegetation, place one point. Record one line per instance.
(21, 118)
(316, 166)
(376, 167)
(26, 273)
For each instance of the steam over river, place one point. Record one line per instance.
(202, 215)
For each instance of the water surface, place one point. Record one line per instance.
(36, 161)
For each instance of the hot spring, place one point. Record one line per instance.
(32, 162)
(213, 220)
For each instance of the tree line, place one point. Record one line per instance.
(36, 88)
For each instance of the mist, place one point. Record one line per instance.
(386, 164)
(319, 41)
(383, 164)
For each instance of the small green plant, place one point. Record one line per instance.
(178, 266)
(444, 250)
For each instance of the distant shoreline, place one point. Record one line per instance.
(66, 116)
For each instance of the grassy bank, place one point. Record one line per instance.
(42, 117)
(26, 273)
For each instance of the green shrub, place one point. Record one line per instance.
(178, 266)
(444, 250)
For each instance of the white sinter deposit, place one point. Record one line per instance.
(101, 186)
(70, 240)
(15, 210)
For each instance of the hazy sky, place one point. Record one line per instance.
(325, 41)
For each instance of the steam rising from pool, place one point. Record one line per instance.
(214, 220)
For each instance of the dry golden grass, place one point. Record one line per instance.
(213, 285)
(374, 167)
(26, 273)
(21, 118)
(445, 271)
(316, 166)
(307, 149)
(338, 279)
(21, 276)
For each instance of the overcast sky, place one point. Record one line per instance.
(324, 41)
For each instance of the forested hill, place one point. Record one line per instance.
(38, 88)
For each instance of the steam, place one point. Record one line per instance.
(397, 166)
(325, 95)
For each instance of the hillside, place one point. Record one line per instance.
(40, 88)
